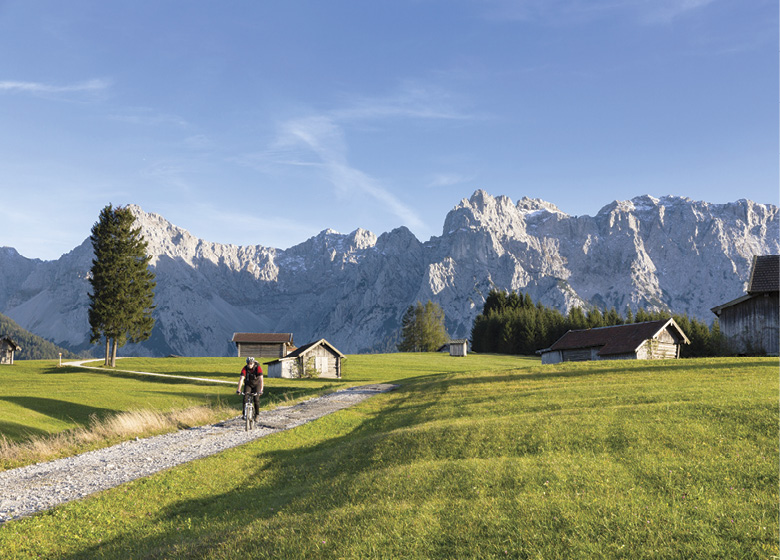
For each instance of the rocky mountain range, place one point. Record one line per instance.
(671, 253)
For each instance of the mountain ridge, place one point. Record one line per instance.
(33, 347)
(353, 288)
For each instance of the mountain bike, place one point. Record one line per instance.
(249, 411)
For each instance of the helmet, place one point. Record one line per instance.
(250, 360)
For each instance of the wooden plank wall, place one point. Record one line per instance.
(246, 349)
(752, 326)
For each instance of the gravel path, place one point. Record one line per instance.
(35, 488)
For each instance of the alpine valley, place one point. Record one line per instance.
(670, 253)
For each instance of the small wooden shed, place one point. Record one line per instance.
(320, 359)
(263, 345)
(7, 349)
(651, 340)
(751, 323)
(459, 347)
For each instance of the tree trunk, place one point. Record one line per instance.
(113, 353)
(105, 363)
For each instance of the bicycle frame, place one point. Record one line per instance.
(249, 411)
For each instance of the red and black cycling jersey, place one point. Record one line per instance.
(252, 375)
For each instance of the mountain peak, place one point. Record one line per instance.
(530, 205)
(354, 288)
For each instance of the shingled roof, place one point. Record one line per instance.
(765, 274)
(620, 339)
(11, 343)
(298, 352)
(263, 338)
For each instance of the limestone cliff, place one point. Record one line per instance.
(671, 253)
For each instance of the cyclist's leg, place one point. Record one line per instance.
(257, 406)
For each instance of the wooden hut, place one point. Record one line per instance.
(316, 359)
(651, 340)
(263, 345)
(7, 349)
(459, 347)
(751, 322)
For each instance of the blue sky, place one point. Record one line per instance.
(263, 123)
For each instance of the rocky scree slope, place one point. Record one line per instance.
(669, 253)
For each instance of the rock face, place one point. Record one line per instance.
(670, 253)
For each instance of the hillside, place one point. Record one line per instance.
(671, 253)
(33, 347)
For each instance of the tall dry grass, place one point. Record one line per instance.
(104, 432)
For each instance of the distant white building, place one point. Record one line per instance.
(7, 349)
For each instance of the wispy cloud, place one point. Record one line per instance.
(320, 142)
(173, 175)
(411, 101)
(449, 179)
(575, 11)
(669, 10)
(148, 117)
(323, 138)
(37, 88)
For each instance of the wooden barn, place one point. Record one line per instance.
(320, 359)
(652, 340)
(459, 347)
(263, 345)
(751, 323)
(7, 349)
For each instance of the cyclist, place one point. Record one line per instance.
(251, 381)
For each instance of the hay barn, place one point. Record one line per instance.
(651, 340)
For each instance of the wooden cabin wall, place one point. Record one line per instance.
(752, 326)
(246, 349)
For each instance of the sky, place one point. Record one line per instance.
(264, 123)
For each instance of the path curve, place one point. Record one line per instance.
(80, 364)
(34, 488)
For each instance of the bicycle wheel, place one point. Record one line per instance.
(249, 415)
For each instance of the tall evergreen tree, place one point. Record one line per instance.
(497, 301)
(423, 328)
(122, 297)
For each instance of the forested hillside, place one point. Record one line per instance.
(33, 347)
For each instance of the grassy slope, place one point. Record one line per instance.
(613, 460)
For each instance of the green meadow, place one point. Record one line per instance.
(478, 457)
(39, 398)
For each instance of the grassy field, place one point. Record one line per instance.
(37, 397)
(48, 412)
(482, 457)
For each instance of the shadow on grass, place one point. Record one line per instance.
(189, 373)
(50, 370)
(20, 432)
(166, 378)
(61, 410)
(346, 455)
